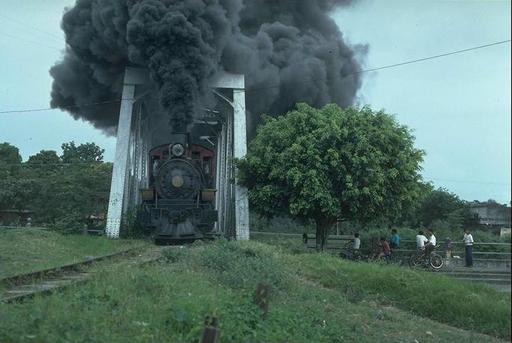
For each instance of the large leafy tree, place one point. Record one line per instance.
(329, 163)
(440, 205)
(83, 153)
(11, 188)
(49, 157)
(9, 154)
(411, 214)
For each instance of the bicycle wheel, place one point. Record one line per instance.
(414, 261)
(436, 261)
(345, 254)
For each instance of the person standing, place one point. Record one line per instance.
(395, 239)
(468, 242)
(356, 246)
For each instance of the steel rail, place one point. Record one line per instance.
(24, 286)
(38, 274)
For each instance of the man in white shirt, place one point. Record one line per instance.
(420, 241)
(356, 242)
(356, 246)
(468, 242)
(431, 243)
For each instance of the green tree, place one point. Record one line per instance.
(61, 196)
(329, 163)
(443, 208)
(11, 187)
(45, 157)
(9, 154)
(84, 153)
(411, 214)
(440, 204)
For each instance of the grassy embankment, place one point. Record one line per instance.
(316, 298)
(26, 250)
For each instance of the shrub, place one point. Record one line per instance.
(173, 255)
(243, 264)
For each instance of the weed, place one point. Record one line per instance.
(173, 255)
(168, 302)
(240, 265)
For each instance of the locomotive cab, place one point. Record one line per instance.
(179, 203)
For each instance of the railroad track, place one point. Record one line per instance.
(24, 286)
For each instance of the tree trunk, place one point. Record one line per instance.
(322, 231)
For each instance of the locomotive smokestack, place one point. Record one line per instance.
(290, 51)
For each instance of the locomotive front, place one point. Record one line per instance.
(179, 204)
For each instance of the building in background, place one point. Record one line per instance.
(491, 214)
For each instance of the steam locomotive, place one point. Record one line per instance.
(179, 204)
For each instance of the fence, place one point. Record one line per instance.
(486, 254)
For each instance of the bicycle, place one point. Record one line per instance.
(349, 253)
(431, 260)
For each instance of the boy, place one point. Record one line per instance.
(420, 241)
(356, 242)
(385, 249)
(395, 239)
(356, 246)
(431, 243)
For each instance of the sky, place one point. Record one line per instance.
(459, 106)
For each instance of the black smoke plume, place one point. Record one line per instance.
(289, 50)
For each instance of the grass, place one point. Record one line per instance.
(464, 305)
(168, 301)
(458, 303)
(26, 250)
(292, 244)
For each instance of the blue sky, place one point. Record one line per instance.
(458, 106)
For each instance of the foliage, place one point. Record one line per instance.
(442, 209)
(84, 153)
(9, 154)
(243, 265)
(329, 163)
(283, 224)
(168, 301)
(133, 226)
(10, 161)
(410, 215)
(61, 192)
(290, 244)
(45, 157)
(441, 205)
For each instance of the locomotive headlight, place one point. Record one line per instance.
(177, 181)
(177, 150)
